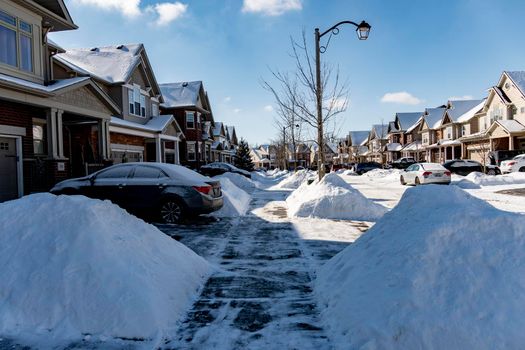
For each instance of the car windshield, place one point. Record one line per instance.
(432, 166)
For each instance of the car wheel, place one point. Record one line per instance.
(402, 180)
(171, 211)
(522, 169)
(491, 172)
(417, 182)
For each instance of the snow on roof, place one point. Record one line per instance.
(414, 146)
(511, 125)
(155, 124)
(392, 127)
(393, 147)
(57, 85)
(357, 137)
(113, 64)
(433, 116)
(55, 45)
(380, 130)
(463, 110)
(408, 119)
(518, 78)
(449, 142)
(413, 126)
(217, 129)
(181, 94)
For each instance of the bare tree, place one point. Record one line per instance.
(296, 93)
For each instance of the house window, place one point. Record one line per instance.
(448, 131)
(137, 101)
(190, 120)
(463, 130)
(191, 151)
(16, 42)
(39, 139)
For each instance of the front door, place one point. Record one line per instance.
(8, 169)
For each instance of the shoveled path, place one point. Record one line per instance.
(261, 298)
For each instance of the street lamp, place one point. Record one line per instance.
(362, 30)
(284, 143)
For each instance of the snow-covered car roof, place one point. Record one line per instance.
(432, 166)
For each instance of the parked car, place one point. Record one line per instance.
(402, 163)
(466, 166)
(515, 164)
(219, 168)
(361, 168)
(498, 157)
(167, 192)
(425, 173)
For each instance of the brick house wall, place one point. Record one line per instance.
(191, 135)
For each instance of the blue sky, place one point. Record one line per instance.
(429, 49)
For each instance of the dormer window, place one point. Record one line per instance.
(16, 42)
(137, 101)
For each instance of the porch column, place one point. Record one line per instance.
(177, 155)
(491, 141)
(158, 149)
(453, 152)
(108, 139)
(60, 134)
(511, 143)
(103, 138)
(52, 142)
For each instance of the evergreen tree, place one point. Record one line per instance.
(244, 159)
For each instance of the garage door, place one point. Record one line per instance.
(8, 169)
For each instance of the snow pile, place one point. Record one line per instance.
(276, 173)
(332, 198)
(442, 270)
(73, 266)
(236, 201)
(238, 180)
(481, 179)
(390, 175)
(296, 179)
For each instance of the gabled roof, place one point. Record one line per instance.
(415, 125)
(110, 64)
(407, 119)
(379, 131)
(54, 12)
(218, 129)
(392, 127)
(434, 116)
(510, 126)
(357, 137)
(183, 94)
(155, 124)
(518, 78)
(461, 111)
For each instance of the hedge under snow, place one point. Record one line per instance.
(72, 265)
(332, 198)
(442, 270)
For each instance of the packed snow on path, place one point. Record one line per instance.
(238, 180)
(442, 270)
(73, 266)
(332, 198)
(236, 201)
(477, 180)
(296, 179)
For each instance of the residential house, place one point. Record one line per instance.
(398, 137)
(454, 125)
(377, 140)
(260, 158)
(355, 142)
(233, 142)
(188, 102)
(329, 149)
(220, 148)
(303, 155)
(430, 131)
(51, 127)
(137, 132)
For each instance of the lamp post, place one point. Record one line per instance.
(362, 30)
(284, 143)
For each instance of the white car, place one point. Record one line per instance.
(425, 173)
(515, 164)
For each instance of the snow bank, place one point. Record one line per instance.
(296, 179)
(481, 179)
(73, 266)
(390, 175)
(238, 180)
(332, 198)
(442, 270)
(276, 172)
(236, 201)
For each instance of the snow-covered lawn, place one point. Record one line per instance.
(73, 267)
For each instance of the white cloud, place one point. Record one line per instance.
(455, 98)
(401, 97)
(169, 12)
(227, 99)
(271, 7)
(129, 8)
(237, 110)
(268, 108)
